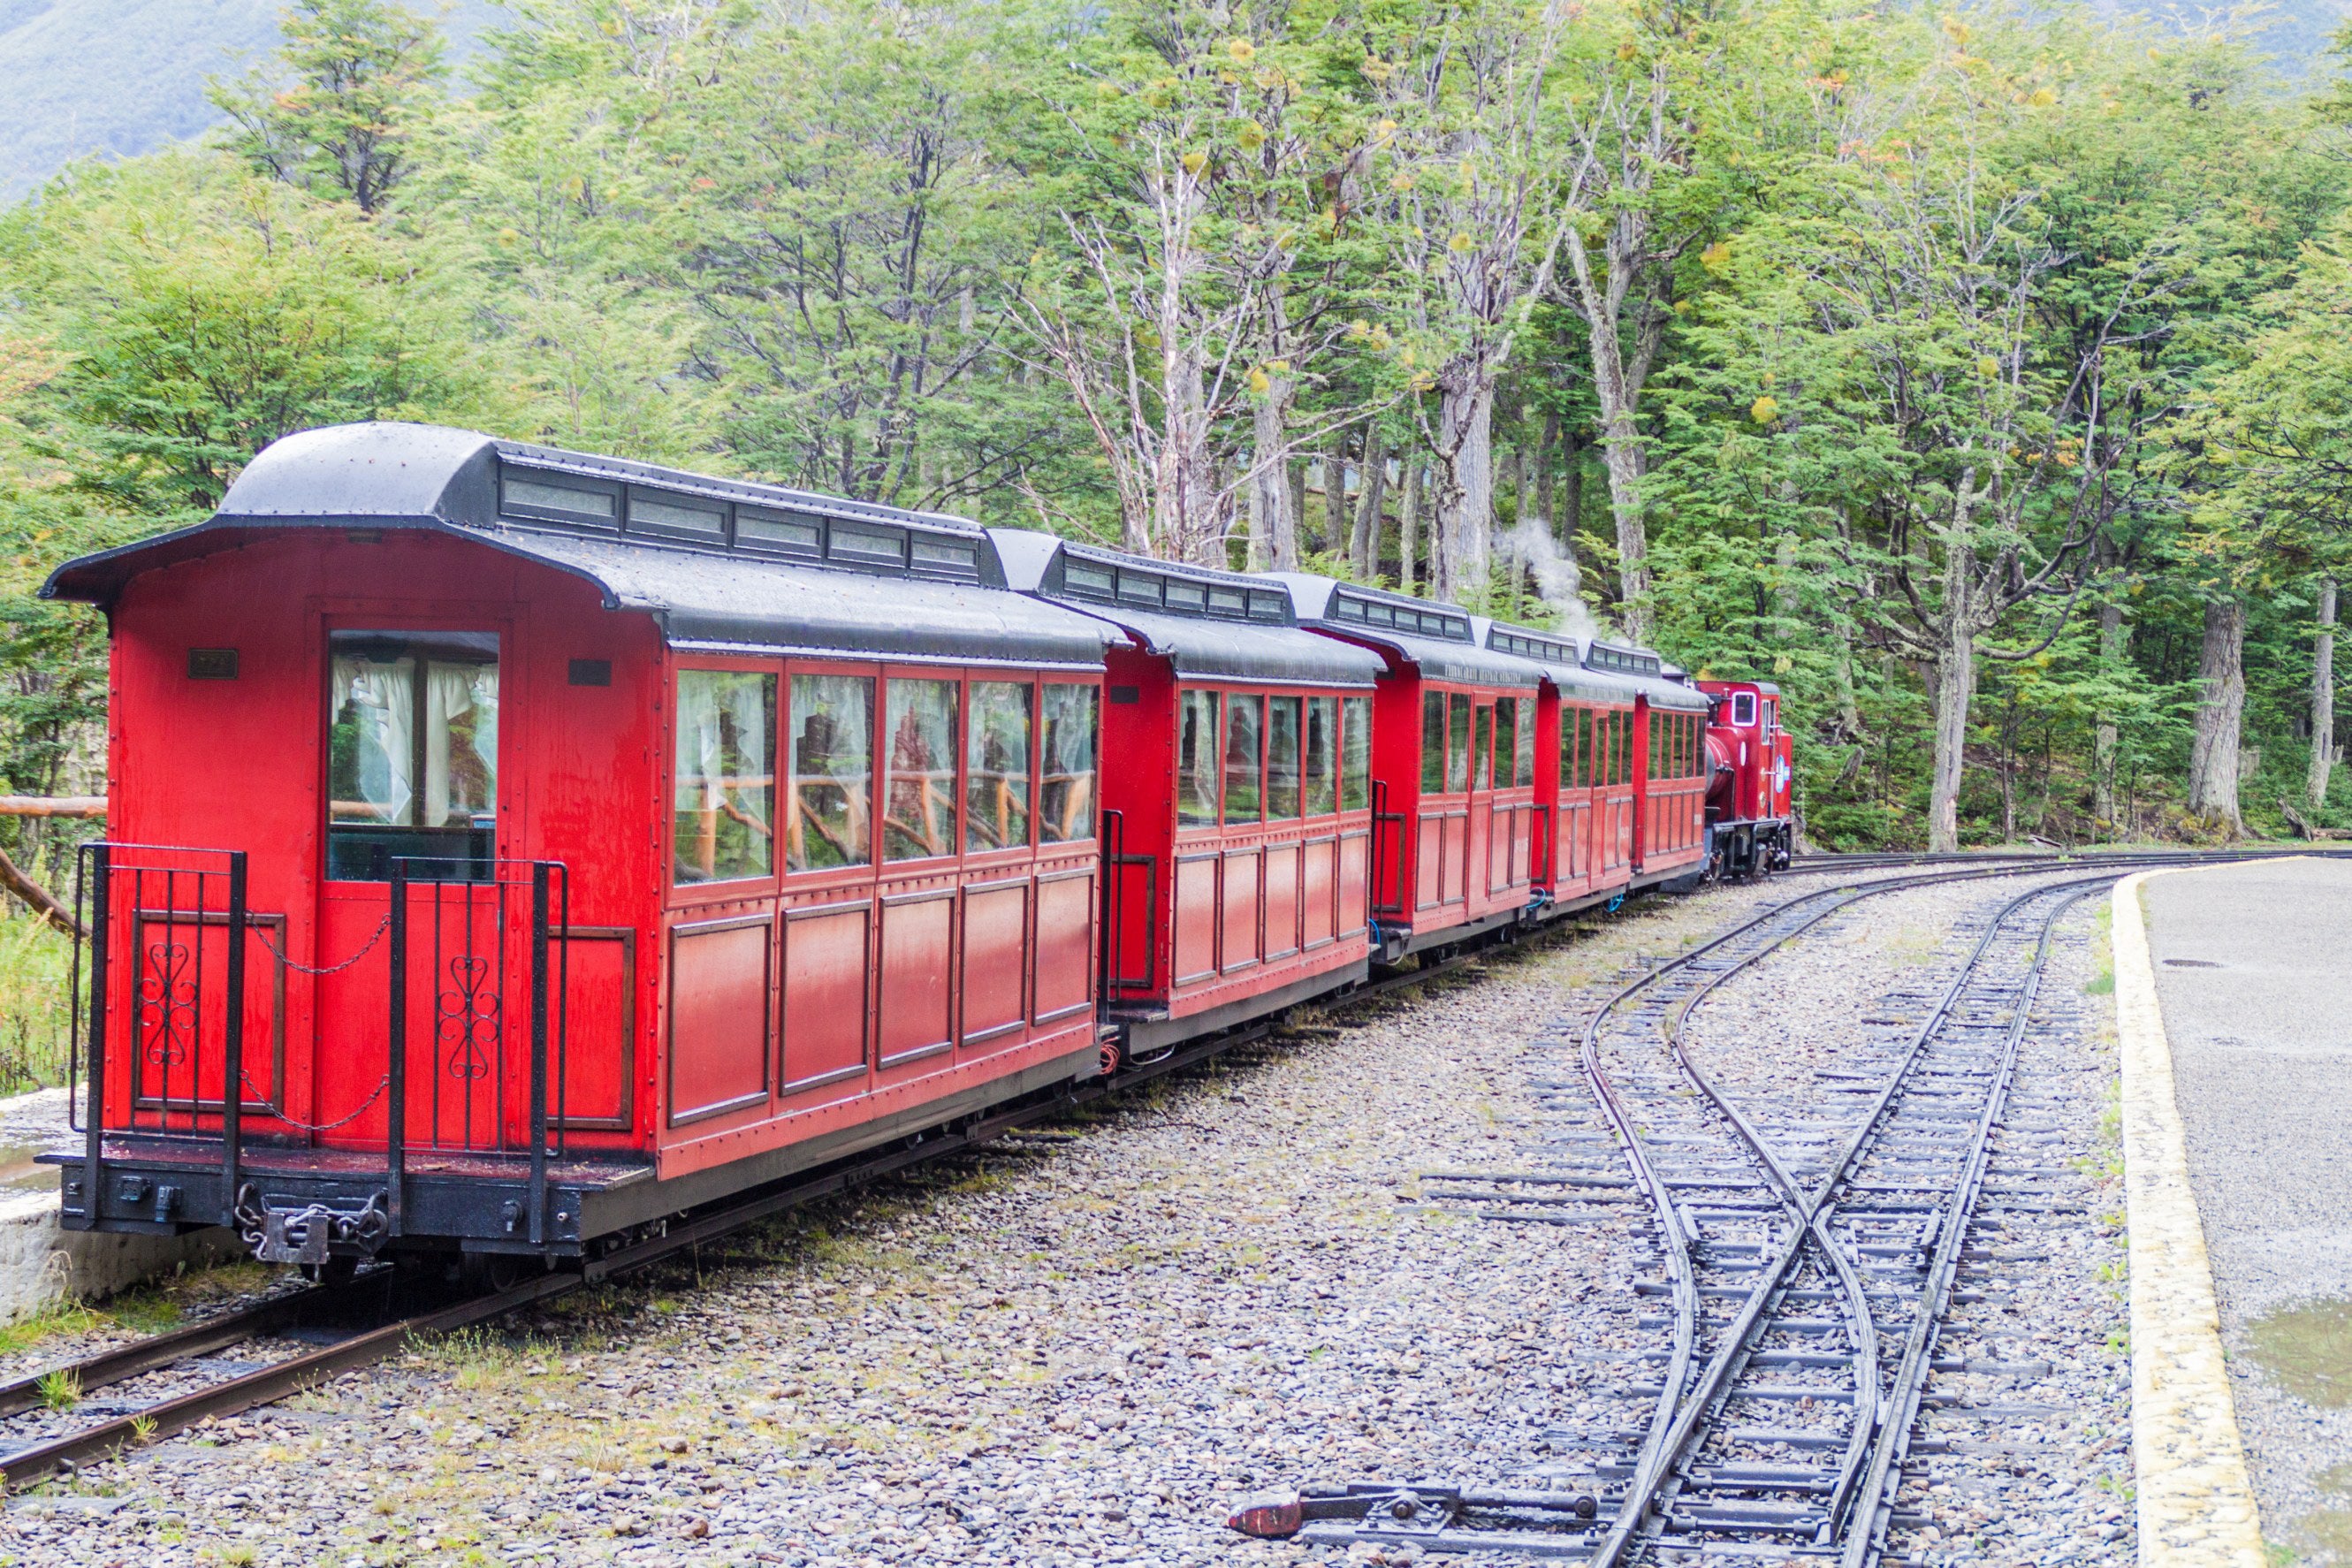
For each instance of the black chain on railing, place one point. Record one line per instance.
(382, 926)
(275, 1114)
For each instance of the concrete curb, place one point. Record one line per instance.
(2195, 1502)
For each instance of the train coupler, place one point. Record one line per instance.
(310, 1234)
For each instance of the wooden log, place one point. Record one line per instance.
(52, 805)
(43, 902)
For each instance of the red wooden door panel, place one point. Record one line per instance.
(995, 940)
(918, 953)
(177, 1025)
(1237, 905)
(1355, 874)
(1429, 862)
(1318, 892)
(1457, 856)
(825, 994)
(718, 1017)
(1065, 945)
(599, 1046)
(1281, 900)
(1196, 918)
(1498, 848)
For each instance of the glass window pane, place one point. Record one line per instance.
(1282, 757)
(1244, 722)
(833, 772)
(1196, 759)
(919, 795)
(1433, 742)
(1356, 754)
(1566, 747)
(996, 766)
(1482, 745)
(724, 781)
(413, 751)
(1457, 743)
(1523, 754)
(1066, 799)
(1322, 755)
(1506, 739)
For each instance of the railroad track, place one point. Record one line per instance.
(169, 1382)
(1802, 1254)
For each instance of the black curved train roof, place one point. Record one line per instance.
(740, 566)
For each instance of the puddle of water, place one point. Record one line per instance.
(2307, 1351)
(18, 1171)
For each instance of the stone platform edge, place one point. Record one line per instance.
(44, 1266)
(2195, 1502)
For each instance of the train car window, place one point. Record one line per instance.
(1065, 796)
(412, 750)
(1196, 759)
(1568, 721)
(1244, 758)
(1320, 754)
(919, 787)
(725, 778)
(1482, 745)
(1355, 754)
(1282, 739)
(782, 533)
(1433, 742)
(1506, 739)
(996, 766)
(676, 517)
(1457, 743)
(868, 546)
(1523, 751)
(1743, 707)
(833, 772)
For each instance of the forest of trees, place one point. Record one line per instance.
(1981, 376)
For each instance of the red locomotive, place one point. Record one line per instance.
(1750, 828)
(516, 849)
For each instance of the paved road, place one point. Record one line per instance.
(2255, 973)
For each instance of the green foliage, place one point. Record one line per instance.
(363, 75)
(1958, 330)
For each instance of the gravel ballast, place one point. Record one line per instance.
(1083, 1347)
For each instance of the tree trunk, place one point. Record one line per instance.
(1273, 526)
(2113, 635)
(2220, 709)
(2323, 699)
(1335, 494)
(1572, 495)
(1949, 693)
(1408, 519)
(1510, 479)
(1465, 482)
(1547, 462)
(1295, 473)
(1363, 549)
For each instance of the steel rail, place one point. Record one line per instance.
(291, 1375)
(1678, 1415)
(1818, 1208)
(1910, 1382)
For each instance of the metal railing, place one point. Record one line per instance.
(157, 975)
(167, 923)
(465, 944)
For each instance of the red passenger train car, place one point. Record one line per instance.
(1453, 796)
(1238, 826)
(515, 850)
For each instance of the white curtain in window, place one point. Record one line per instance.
(385, 696)
(747, 705)
(698, 748)
(448, 694)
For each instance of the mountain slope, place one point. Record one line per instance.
(124, 77)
